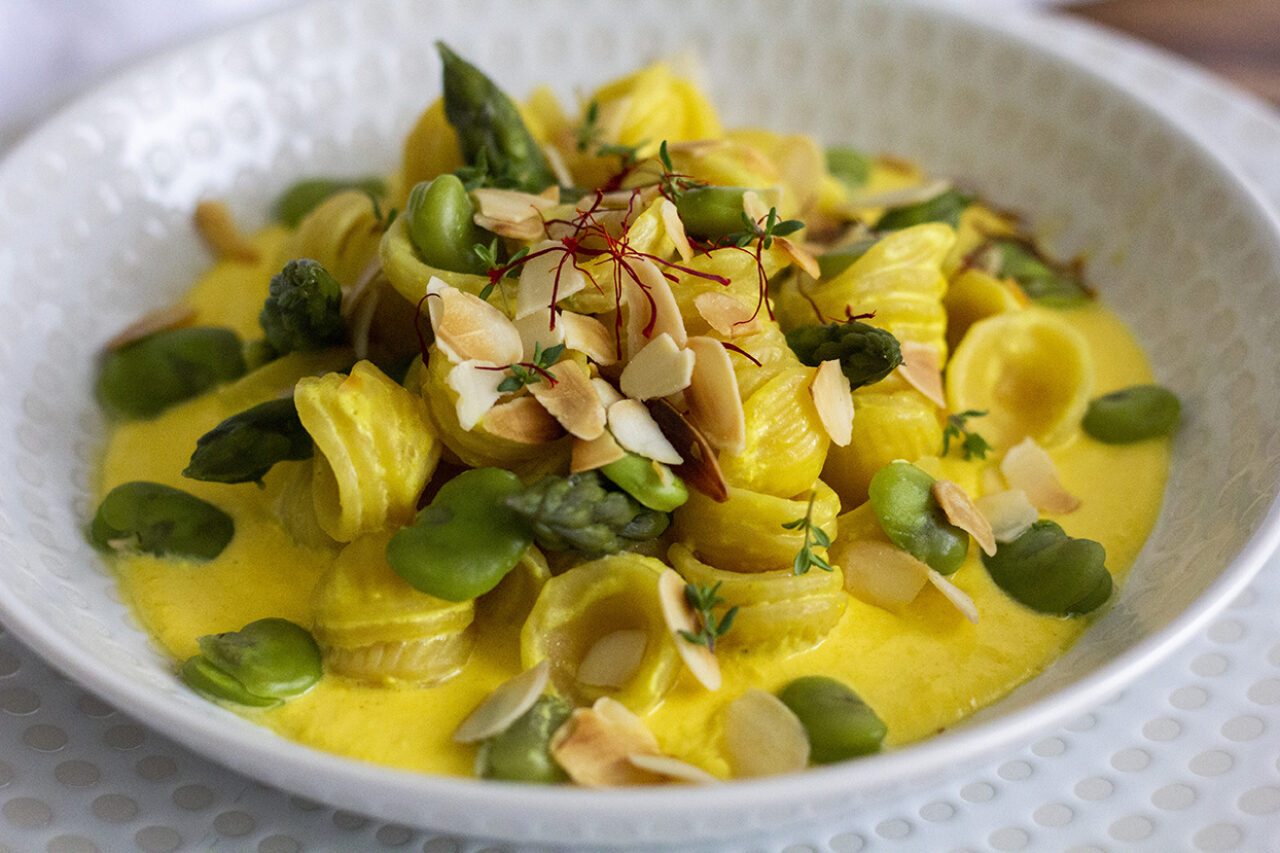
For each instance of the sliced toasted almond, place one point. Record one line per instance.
(588, 335)
(538, 330)
(726, 314)
(522, 420)
(799, 256)
(651, 307)
(527, 230)
(701, 468)
(613, 659)
(217, 227)
(880, 573)
(675, 229)
(697, 147)
(162, 319)
(547, 278)
(505, 705)
(1010, 512)
(476, 383)
(468, 328)
(595, 746)
(572, 400)
(637, 431)
(901, 197)
(921, 368)
(607, 393)
(955, 595)
(672, 768)
(510, 205)
(961, 511)
(1029, 467)
(763, 737)
(596, 453)
(713, 397)
(679, 616)
(754, 206)
(834, 401)
(661, 368)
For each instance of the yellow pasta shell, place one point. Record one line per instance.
(375, 449)
(901, 424)
(342, 233)
(590, 601)
(746, 533)
(410, 276)
(974, 295)
(786, 442)
(430, 149)
(775, 608)
(652, 105)
(373, 626)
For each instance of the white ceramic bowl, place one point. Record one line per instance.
(95, 228)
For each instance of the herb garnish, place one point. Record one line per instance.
(813, 536)
(530, 372)
(704, 600)
(972, 443)
(488, 256)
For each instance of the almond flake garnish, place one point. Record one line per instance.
(701, 468)
(522, 420)
(510, 205)
(607, 393)
(672, 768)
(536, 331)
(613, 659)
(586, 334)
(834, 401)
(1029, 467)
(596, 453)
(901, 197)
(538, 278)
(955, 595)
(596, 745)
(713, 397)
(961, 511)
(675, 229)
(726, 314)
(763, 737)
(920, 368)
(637, 431)
(505, 705)
(881, 574)
(572, 400)
(799, 256)
(526, 230)
(217, 227)
(661, 368)
(754, 206)
(468, 328)
(651, 307)
(679, 616)
(162, 319)
(476, 383)
(1010, 512)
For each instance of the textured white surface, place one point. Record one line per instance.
(1184, 759)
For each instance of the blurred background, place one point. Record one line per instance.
(50, 50)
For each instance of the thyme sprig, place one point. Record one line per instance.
(704, 599)
(813, 537)
(488, 256)
(671, 183)
(765, 231)
(530, 372)
(972, 444)
(588, 136)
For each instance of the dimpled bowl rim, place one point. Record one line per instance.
(522, 813)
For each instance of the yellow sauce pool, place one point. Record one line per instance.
(922, 670)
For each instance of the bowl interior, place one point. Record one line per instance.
(95, 229)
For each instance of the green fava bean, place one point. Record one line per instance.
(245, 446)
(946, 207)
(441, 227)
(522, 752)
(1132, 414)
(839, 724)
(303, 197)
(651, 483)
(902, 499)
(711, 213)
(1049, 571)
(153, 518)
(144, 377)
(850, 167)
(263, 663)
(466, 540)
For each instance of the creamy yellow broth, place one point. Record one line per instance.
(921, 669)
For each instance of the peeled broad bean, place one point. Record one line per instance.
(711, 213)
(157, 519)
(1051, 572)
(651, 483)
(1132, 414)
(262, 664)
(521, 753)
(902, 499)
(839, 724)
(144, 377)
(439, 220)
